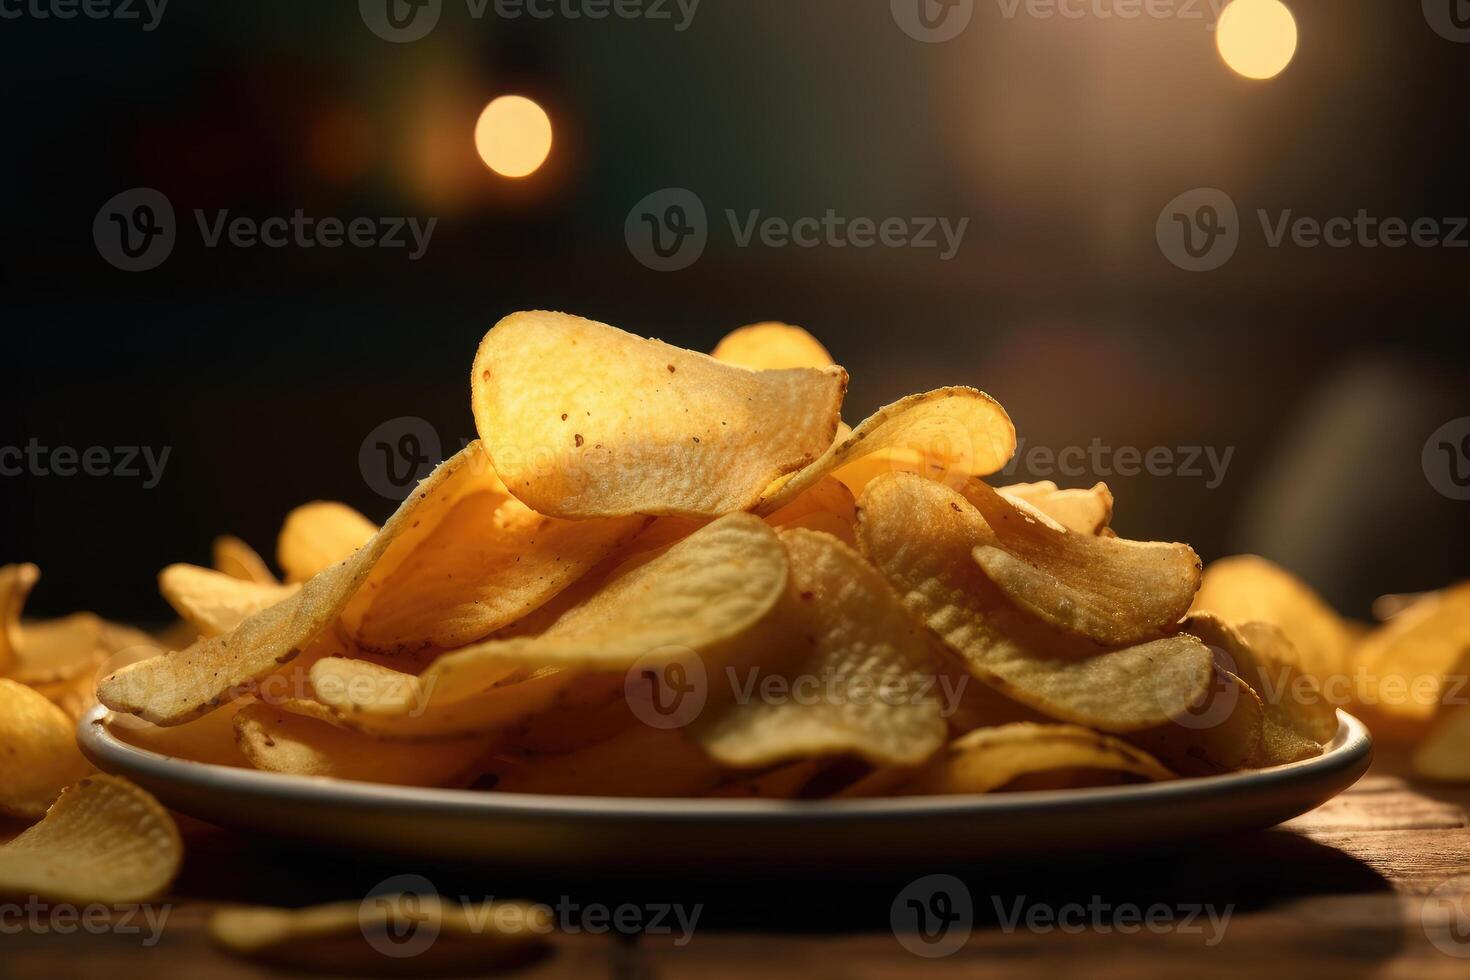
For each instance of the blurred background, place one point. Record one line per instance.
(1111, 177)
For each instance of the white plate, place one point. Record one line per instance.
(595, 832)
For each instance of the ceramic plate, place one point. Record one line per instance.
(595, 832)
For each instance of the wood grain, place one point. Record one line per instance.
(1345, 891)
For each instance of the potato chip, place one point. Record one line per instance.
(827, 506)
(949, 434)
(103, 841)
(55, 650)
(641, 762)
(209, 739)
(922, 535)
(16, 582)
(987, 759)
(350, 938)
(176, 688)
(1111, 590)
(215, 603)
(785, 782)
(1444, 754)
(238, 560)
(318, 535)
(490, 562)
(1247, 588)
(1407, 662)
(1298, 718)
(278, 741)
(703, 595)
(862, 684)
(1222, 733)
(590, 708)
(583, 420)
(771, 347)
(1083, 511)
(38, 752)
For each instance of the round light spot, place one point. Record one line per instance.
(513, 136)
(1256, 37)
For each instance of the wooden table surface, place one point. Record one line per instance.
(1369, 885)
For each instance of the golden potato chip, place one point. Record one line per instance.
(1444, 754)
(784, 782)
(104, 841)
(590, 708)
(238, 560)
(987, 759)
(317, 536)
(215, 603)
(38, 751)
(703, 595)
(862, 682)
(357, 938)
(489, 562)
(1222, 733)
(583, 420)
(771, 347)
(642, 761)
(1298, 718)
(1247, 588)
(176, 688)
(827, 506)
(1111, 590)
(278, 741)
(16, 582)
(949, 434)
(209, 739)
(1407, 662)
(1083, 511)
(921, 536)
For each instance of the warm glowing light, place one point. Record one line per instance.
(513, 136)
(1256, 37)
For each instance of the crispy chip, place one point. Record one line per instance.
(1083, 511)
(38, 751)
(176, 688)
(921, 536)
(1407, 662)
(49, 652)
(772, 346)
(238, 560)
(1298, 719)
(1247, 588)
(864, 663)
(642, 761)
(278, 741)
(215, 603)
(209, 739)
(317, 536)
(948, 434)
(16, 582)
(827, 506)
(784, 782)
(583, 420)
(987, 759)
(1444, 754)
(489, 562)
(104, 841)
(1114, 591)
(1222, 733)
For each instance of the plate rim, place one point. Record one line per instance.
(1350, 749)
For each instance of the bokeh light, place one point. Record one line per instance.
(1257, 38)
(513, 136)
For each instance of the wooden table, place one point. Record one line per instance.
(1340, 892)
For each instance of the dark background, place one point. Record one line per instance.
(1061, 140)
